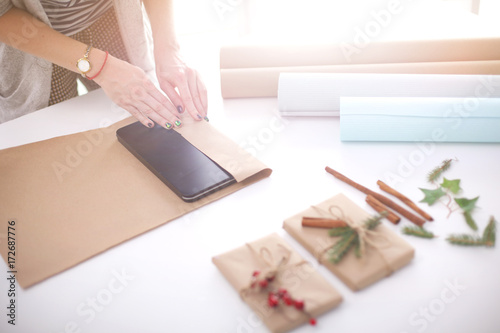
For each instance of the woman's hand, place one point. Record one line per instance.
(182, 84)
(129, 87)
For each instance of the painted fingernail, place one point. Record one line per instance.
(179, 108)
(150, 125)
(168, 125)
(206, 119)
(178, 123)
(199, 117)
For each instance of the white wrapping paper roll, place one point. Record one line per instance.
(423, 119)
(318, 94)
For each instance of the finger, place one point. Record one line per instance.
(150, 108)
(187, 98)
(202, 90)
(167, 84)
(173, 96)
(139, 116)
(156, 106)
(195, 94)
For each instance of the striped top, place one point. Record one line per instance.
(72, 16)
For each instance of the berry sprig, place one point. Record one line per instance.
(277, 297)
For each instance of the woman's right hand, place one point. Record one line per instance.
(130, 88)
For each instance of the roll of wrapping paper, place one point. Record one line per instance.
(412, 119)
(253, 71)
(319, 93)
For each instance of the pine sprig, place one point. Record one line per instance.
(489, 233)
(417, 231)
(470, 221)
(438, 171)
(465, 240)
(340, 249)
(349, 238)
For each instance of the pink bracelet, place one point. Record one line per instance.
(100, 70)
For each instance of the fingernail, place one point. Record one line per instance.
(179, 108)
(168, 125)
(206, 119)
(199, 117)
(178, 123)
(150, 125)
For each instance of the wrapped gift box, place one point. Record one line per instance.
(390, 254)
(299, 278)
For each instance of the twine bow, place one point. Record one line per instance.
(270, 274)
(273, 267)
(365, 236)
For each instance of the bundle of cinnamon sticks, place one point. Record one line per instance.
(378, 201)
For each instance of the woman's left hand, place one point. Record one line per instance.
(182, 84)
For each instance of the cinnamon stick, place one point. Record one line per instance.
(386, 188)
(322, 222)
(380, 207)
(388, 202)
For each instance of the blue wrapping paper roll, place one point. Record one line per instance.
(411, 119)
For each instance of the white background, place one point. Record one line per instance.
(174, 287)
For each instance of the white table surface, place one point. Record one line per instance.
(173, 286)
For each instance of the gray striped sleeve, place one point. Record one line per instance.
(5, 5)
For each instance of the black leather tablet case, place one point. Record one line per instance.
(181, 166)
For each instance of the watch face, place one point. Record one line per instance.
(83, 65)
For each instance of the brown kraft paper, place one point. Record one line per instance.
(253, 70)
(300, 279)
(263, 81)
(356, 273)
(75, 196)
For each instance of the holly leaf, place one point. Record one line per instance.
(467, 205)
(431, 196)
(452, 185)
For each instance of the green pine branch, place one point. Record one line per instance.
(417, 231)
(465, 240)
(489, 233)
(438, 171)
(349, 238)
(470, 221)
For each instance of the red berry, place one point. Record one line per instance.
(255, 273)
(312, 321)
(299, 304)
(282, 292)
(287, 299)
(273, 300)
(263, 283)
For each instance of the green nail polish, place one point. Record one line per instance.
(177, 123)
(168, 125)
(206, 118)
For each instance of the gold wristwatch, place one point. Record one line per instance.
(83, 64)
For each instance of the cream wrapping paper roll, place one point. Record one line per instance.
(410, 51)
(318, 94)
(253, 70)
(419, 119)
(263, 82)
